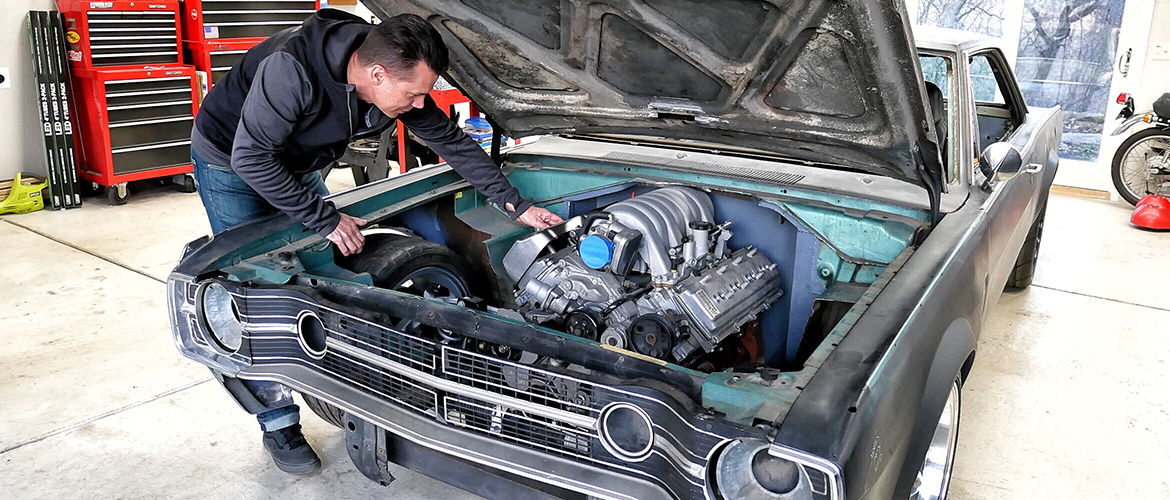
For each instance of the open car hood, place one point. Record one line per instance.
(824, 81)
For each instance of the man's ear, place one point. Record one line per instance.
(378, 74)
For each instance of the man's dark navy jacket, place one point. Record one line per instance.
(286, 110)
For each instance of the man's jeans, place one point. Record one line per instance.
(229, 202)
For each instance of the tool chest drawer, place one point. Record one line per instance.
(216, 57)
(151, 157)
(137, 116)
(137, 121)
(125, 33)
(136, 112)
(236, 19)
(159, 130)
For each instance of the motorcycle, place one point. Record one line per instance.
(1141, 165)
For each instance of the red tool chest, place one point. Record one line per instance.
(216, 57)
(122, 32)
(136, 122)
(205, 20)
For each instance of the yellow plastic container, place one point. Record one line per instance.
(24, 195)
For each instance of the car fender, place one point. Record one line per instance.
(953, 358)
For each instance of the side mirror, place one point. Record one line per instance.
(999, 158)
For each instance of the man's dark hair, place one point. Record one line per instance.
(401, 42)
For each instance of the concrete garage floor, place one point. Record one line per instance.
(1067, 398)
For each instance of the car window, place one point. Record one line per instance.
(935, 70)
(983, 81)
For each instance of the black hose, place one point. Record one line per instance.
(590, 217)
(626, 298)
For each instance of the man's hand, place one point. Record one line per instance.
(347, 236)
(539, 218)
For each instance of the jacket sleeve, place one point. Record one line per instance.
(465, 156)
(279, 94)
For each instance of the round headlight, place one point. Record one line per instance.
(745, 469)
(222, 318)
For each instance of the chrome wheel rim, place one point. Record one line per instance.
(432, 282)
(934, 479)
(1140, 160)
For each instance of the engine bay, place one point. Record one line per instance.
(705, 279)
(653, 274)
(715, 279)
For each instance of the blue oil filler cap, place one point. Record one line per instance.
(596, 251)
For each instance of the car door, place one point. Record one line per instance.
(1000, 115)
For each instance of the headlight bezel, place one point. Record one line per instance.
(834, 483)
(732, 468)
(216, 339)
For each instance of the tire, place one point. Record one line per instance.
(1025, 267)
(390, 258)
(1118, 183)
(327, 412)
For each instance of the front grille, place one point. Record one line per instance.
(380, 382)
(547, 410)
(395, 346)
(516, 426)
(521, 382)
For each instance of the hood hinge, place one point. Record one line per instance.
(932, 181)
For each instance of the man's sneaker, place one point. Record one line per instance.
(290, 451)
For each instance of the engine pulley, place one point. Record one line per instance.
(584, 324)
(652, 335)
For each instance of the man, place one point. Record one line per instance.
(287, 110)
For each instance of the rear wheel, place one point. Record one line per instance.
(405, 264)
(1025, 268)
(1141, 155)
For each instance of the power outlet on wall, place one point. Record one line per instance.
(5, 81)
(1160, 52)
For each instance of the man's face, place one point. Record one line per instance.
(395, 94)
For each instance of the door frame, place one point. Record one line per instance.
(1136, 23)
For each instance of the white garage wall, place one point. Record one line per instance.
(20, 138)
(1156, 71)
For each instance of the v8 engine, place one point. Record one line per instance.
(653, 273)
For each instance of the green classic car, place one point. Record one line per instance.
(778, 254)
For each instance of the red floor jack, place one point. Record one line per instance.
(1152, 212)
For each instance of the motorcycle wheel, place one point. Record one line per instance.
(1131, 163)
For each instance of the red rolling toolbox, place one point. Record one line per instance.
(136, 122)
(206, 20)
(122, 32)
(216, 57)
